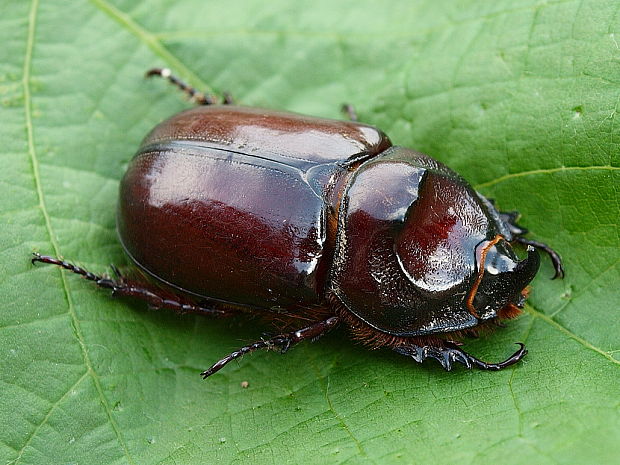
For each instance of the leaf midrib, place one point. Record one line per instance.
(32, 22)
(522, 174)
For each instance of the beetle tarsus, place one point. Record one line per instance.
(194, 95)
(451, 353)
(99, 280)
(510, 218)
(154, 298)
(282, 342)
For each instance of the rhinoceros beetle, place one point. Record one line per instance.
(314, 222)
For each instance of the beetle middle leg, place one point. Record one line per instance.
(283, 342)
(510, 218)
(196, 96)
(451, 353)
(120, 287)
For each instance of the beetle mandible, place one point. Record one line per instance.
(315, 222)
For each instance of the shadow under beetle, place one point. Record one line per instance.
(315, 222)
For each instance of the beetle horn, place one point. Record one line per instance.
(527, 268)
(504, 285)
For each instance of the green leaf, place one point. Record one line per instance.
(519, 97)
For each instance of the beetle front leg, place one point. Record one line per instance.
(282, 342)
(510, 218)
(154, 297)
(451, 353)
(196, 96)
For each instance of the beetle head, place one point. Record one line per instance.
(502, 278)
(420, 252)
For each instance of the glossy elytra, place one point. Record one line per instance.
(313, 223)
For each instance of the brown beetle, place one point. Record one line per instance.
(230, 209)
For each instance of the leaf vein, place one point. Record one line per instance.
(583, 290)
(510, 381)
(47, 416)
(521, 174)
(151, 41)
(358, 444)
(561, 328)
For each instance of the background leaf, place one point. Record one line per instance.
(519, 97)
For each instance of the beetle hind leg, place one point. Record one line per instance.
(155, 297)
(282, 342)
(201, 98)
(510, 218)
(451, 353)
